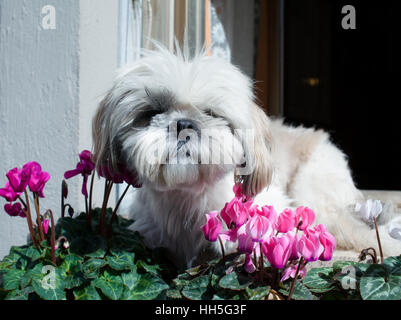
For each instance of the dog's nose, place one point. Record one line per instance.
(185, 124)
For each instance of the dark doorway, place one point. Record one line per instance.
(348, 82)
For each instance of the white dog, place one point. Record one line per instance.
(153, 120)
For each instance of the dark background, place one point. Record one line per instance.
(358, 97)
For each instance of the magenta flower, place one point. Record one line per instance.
(119, 177)
(18, 179)
(45, 225)
(294, 255)
(328, 242)
(235, 213)
(8, 193)
(245, 241)
(84, 167)
(212, 227)
(269, 213)
(304, 217)
(37, 177)
(14, 210)
(259, 227)
(248, 265)
(277, 250)
(286, 221)
(309, 246)
(291, 271)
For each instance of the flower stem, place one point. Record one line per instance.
(38, 220)
(29, 220)
(102, 219)
(53, 238)
(378, 240)
(90, 198)
(295, 279)
(222, 249)
(115, 211)
(260, 257)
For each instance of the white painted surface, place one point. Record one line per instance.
(50, 84)
(97, 70)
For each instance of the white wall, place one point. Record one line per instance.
(50, 84)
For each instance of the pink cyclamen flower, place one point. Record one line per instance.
(294, 255)
(270, 213)
(235, 213)
(277, 250)
(309, 246)
(286, 221)
(245, 241)
(14, 210)
(304, 217)
(212, 227)
(328, 242)
(45, 225)
(124, 175)
(84, 167)
(248, 265)
(259, 227)
(37, 177)
(19, 179)
(8, 193)
(291, 271)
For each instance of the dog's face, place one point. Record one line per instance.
(182, 124)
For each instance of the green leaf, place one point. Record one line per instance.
(48, 282)
(300, 292)
(154, 269)
(319, 279)
(379, 283)
(91, 268)
(173, 294)
(131, 279)
(147, 288)
(99, 253)
(393, 265)
(111, 286)
(12, 279)
(258, 293)
(19, 294)
(235, 281)
(196, 288)
(121, 260)
(87, 293)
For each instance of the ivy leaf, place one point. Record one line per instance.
(87, 293)
(196, 288)
(99, 253)
(12, 279)
(300, 292)
(147, 288)
(380, 283)
(235, 281)
(48, 282)
(121, 260)
(111, 286)
(131, 279)
(92, 267)
(154, 269)
(258, 293)
(19, 294)
(319, 279)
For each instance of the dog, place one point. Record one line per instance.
(152, 120)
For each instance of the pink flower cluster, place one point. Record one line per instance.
(32, 176)
(263, 231)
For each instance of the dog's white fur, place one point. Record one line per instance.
(292, 166)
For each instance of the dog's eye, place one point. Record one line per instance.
(210, 113)
(144, 118)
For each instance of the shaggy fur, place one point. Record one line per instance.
(282, 166)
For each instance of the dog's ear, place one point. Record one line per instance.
(258, 155)
(102, 146)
